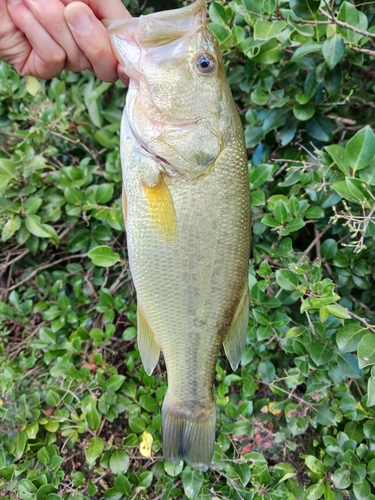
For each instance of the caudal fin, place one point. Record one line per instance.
(189, 435)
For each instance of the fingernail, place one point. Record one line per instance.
(14, 2)
(79, 21)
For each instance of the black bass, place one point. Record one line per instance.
(187, 214)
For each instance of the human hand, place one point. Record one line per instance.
(42, 37)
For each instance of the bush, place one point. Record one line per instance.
(80, 418)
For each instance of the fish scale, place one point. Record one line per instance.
(187, 219)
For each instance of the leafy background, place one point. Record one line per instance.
(79, 417)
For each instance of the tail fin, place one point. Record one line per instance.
(189, 435)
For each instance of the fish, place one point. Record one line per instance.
(186, 206)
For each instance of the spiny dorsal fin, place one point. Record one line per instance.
(161, 209)
(236, 337)
(149, 349)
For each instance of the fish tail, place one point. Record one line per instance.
(189, 435)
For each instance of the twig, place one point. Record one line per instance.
(11, 262)
(369, 52)
(313, 243)
(346, 25)
(41, 268)
(362, 320)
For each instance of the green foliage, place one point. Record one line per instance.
(80, 418)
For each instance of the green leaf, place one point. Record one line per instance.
(329, 248)
(119, 462)
(73, 195)
(94, 450)
(315, 465)
(103, 256)
(320, 353)
(258, 96)
(305, 9)
(34, 225)
(266, 371)
(192, 481)
(333, 50)
(44, 491)
(371, 392)
(217, 13)
(33, 85)
(369, 429)
(350, 15)
(104, 193)
(353, 190)
(18, 444)
(366, 350)
(122, 485)
(286, 279)
(341, 479)
(269, 53)
(348, 365)
(338, 311)
(137, 424)
(324, 416)
(348, 337)
(260, 174)
(265, 30)
(360, 149)
(7, 172)
(303, 112)
(219, 32)
(307, 48)
(173, 469)
(339, 156)
(114, 383)
(93, 417)
(11, 226)
(362, 490)
(281, 212)
(320, 128)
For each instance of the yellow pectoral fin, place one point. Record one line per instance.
(161, 209)
(235, 340)
(149, 349)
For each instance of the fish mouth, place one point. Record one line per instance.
(170, 27)
(159, 28)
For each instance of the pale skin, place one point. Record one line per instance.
(42, 37)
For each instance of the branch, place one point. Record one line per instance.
(362, 320)
(364, 51)
(313, 243)
(334, 20)
(41, 268)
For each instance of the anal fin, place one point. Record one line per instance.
(161, 209)
(236, 337)
(149, 349)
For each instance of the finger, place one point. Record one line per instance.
(50, 14)
(91, 36)
(41, 56)
(122, 75)
(110, 9)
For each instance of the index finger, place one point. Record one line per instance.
(111, 9)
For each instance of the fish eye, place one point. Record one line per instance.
(205, 64)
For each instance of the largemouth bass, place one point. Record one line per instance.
(186, 209)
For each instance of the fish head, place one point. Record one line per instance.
(177, 104)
